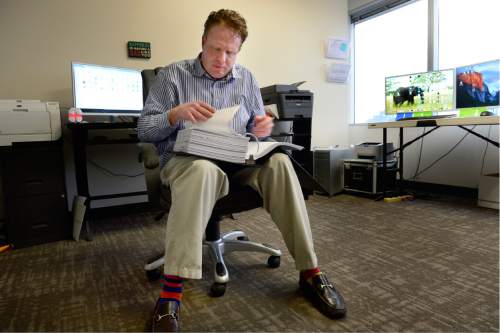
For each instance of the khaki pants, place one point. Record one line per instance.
(196, 184)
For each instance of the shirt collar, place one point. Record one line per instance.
(199, 71)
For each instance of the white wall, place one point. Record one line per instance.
(285, 45)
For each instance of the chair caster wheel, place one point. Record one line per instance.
(243, 238)
(217, 289)
(274, 261)
(154, 274)
(156, 257)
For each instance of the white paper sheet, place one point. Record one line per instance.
(219, 122)
(338, 73)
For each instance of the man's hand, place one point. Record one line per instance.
(193, 111)
(263, 126)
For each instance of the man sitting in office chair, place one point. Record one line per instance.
(192, 90)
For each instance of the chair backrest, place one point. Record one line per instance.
(148, 77)
(149, 154)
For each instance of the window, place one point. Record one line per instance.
(468, 32)
(389, 44)
(396, 42)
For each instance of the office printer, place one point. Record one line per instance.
(291, 102)
(28, 120)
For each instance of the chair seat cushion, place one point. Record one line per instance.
(239, 199)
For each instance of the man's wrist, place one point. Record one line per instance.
(170, 117)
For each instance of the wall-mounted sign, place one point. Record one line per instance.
(139, 49)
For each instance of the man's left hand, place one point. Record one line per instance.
(263, 126)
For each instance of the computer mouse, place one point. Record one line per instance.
(486, 113)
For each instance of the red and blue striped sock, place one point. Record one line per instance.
(308, 274)
(171, 289)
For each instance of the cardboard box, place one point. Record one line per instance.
(488, 191)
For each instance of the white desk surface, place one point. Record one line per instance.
(486, 120)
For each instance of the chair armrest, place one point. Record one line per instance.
(148, 155)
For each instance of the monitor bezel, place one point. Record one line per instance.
(105, 112)
(452, 110)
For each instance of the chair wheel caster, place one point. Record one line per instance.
(217, 289)
(243, 238)
(154, 274)
(274, 261)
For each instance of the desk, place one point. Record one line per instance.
(436, 123)
(80, 142)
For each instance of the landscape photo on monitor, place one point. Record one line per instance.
(420, 92)
(478, 85)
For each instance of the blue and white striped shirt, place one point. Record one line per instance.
(187, 81)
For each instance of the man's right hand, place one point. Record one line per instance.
(193, 111)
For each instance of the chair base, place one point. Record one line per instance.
(231, 242)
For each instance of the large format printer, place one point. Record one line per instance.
(291, 102)
(29, 120)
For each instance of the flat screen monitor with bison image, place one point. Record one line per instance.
(478, 85)
(420, 94)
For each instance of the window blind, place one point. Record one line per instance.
(374, 8)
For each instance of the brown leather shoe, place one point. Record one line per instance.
(166, 317)
(324, 296)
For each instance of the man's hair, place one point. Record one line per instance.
(228, 18)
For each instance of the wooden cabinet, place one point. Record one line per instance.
(34, 193)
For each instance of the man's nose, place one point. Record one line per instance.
(221, 56)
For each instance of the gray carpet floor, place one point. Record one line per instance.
(419, 266)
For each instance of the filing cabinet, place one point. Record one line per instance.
(34, 193)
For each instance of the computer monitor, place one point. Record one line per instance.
(104, 90)
(419, 94)
(478, 85)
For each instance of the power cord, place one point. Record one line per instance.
(485, 150)
(419, 155)
(443, 156)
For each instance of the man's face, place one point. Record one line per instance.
(220, 47)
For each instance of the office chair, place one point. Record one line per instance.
(240, 198)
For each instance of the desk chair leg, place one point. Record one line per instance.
(154, 268)
(232, 242)
(236, 234)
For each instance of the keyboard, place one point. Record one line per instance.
(426, 117)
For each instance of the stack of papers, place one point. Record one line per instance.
(215, 145)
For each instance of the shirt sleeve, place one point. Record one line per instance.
(153, 124)
(256, 103)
